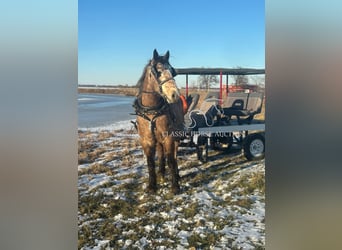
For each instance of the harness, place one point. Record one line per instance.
(145, 111)
(161, 108)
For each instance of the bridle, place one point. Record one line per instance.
(155, 73)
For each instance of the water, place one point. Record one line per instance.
(96, 110)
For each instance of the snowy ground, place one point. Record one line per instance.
(221, 205)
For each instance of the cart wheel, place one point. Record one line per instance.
(254, 147)
(202, 149)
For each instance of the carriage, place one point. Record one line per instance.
(225, 120)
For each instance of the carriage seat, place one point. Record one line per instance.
(192, 101)
(243, 105)
(204, 116)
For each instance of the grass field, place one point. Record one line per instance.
(221, 205)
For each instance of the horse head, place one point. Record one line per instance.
(163, 72)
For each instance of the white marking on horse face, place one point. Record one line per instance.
(169, 88)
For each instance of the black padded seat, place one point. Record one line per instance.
(242, 105)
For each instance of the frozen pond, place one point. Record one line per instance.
(103, 109)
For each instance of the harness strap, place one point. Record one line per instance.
(162, 82)
(144, 111)
(139, 107)
(152, 121)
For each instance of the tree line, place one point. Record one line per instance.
(207, 81)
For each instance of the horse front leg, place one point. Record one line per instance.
(152, 178)
(161, 160)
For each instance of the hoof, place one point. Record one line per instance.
(162, 179)
(151, 190)
(161, 174)
(176, 190)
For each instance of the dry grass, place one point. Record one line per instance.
(96, 168)
(120, 211)
(110, 90)
(113, 154)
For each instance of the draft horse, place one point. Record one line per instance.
(157, 91)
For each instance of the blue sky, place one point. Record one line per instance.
(116, 38)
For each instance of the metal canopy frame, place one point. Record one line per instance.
(217, 71)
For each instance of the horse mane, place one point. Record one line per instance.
(140, 82)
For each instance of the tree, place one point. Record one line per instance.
(193, 84)
(206, 80)
(240, 79)
(259, 80)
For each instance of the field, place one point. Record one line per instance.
(221, 205)
(128, 91)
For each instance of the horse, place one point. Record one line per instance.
(156, 118)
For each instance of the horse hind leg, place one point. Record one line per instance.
(172, 164)
(175, 156)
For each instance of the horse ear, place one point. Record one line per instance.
(155, 54)
(166, 56)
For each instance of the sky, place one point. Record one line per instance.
(117, 38)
